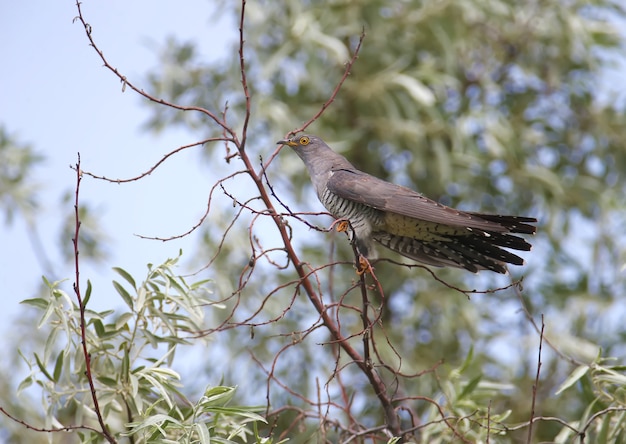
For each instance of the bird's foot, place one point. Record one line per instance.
(342, 225)
(364, 266)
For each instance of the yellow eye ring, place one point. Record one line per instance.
(304, 140)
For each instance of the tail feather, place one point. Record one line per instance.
(502, 240)
(431, 253)
(514, 224)
(473, 259)
(487, 250)
(472, 252)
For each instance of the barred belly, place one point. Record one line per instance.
(363, 219)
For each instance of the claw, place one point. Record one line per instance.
(364, 266)
(342, 225)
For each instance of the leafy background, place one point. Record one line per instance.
(482, 105)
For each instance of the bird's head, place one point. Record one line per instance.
(302, 143)
(306, 146)
(317, 156)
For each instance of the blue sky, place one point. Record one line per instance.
(56, 95)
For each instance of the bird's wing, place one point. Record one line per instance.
(368, 190)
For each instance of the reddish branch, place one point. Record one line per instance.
(141, 92)
(332, 97)
(156, 165)
(539, 330)
(305, 275)
(374, 378)
(326, 104)
(44, 430)
(244, 81)
(81, 305)
(535, 385)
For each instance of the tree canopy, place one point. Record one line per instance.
(490, 106)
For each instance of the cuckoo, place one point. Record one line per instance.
(405, 221)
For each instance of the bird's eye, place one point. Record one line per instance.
(304, 140)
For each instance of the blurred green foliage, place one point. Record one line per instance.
(494, 106)
(485, 105)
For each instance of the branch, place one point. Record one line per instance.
(126, 82)
(374, 378)
(535, 385)
(326, 104)
(332, 97)
(244, 81)
(44, 430)
(156, 165)
(81, 305)
(540, 330)
(306, 275)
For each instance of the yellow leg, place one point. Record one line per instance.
(364, 266)
(342, 225)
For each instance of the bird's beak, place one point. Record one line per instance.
(291, 143)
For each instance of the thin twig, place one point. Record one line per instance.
(244, 81)
(308, 278)
(530, 318)
(535, 385)
(156, 165)
(81, 305)
(374, 378)
(127, 83)
(44, 430)
(333, 95)
(328, 102)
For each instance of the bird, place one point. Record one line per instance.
(405, 221)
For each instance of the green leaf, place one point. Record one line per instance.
(578, 373)
(125, 369)
(42, 368)
(218, 395)
(46, 315)
(238, 411)
(470, 386)
(173, 282)
(108, 381)
(203, 432)
(199, 284)
(122, 321)
(134, 388)
(154, 421)
(36, 302)
(24, 385)
(127, 277)
(98, 327)
(58, 366)
(87, 293)
(124, 294)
